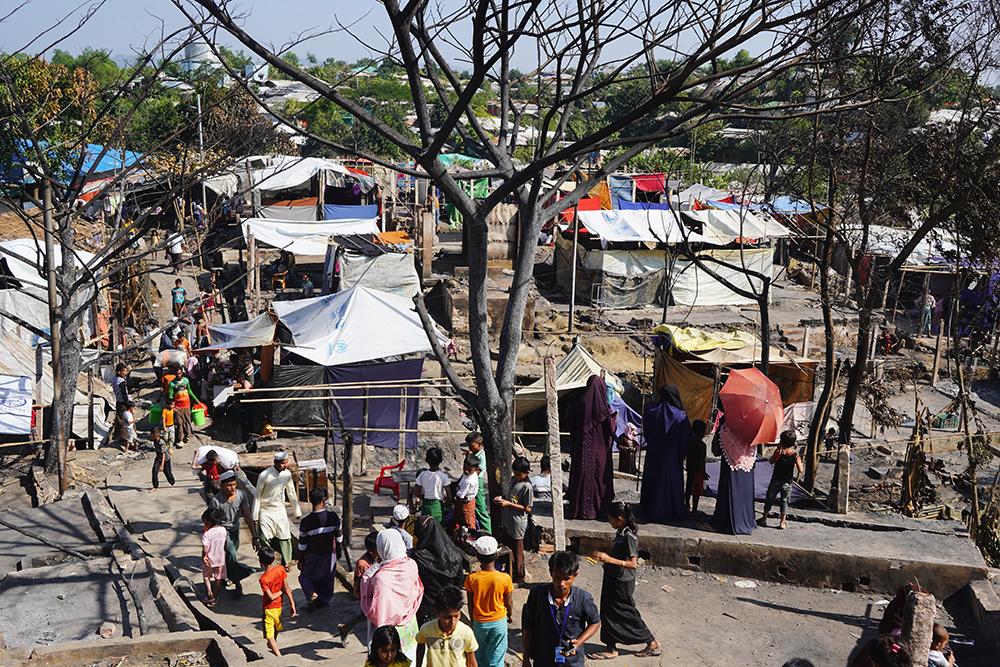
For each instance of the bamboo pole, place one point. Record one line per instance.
(402, 426)
(376, 429)
(364, 434)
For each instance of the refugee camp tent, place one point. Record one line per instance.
(572, 373)
(697, 192)
(702, 351)
(24, 292)
(358, 324)
(691, 285)
(19, 360)
(304, 238)
(725, 226)
(247, 334)
(370, 263)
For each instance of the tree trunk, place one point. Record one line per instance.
(495, 422)
(763, 304)
(861, 355)
(825, 401)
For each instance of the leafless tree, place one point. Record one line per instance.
(582, 49)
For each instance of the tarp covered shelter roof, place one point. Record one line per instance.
(572, 372)
(726, 226)
(252, 333)
(304, 238)
(701, 193)
(637, 226)
(934, 249)
(358, 324)
(32, 259)
(726, 348)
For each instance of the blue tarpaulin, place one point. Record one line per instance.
(762, 471)
(621, 188)
(625, 205)
(786, 204)
(383, 403)
(111, 161)
(348, 212)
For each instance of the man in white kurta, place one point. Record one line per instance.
(273, 486)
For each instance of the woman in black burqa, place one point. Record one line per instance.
(592, 429)
(439, 564)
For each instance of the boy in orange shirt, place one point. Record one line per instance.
(273, 585)
(491, 604)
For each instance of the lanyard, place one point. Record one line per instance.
(560, 629)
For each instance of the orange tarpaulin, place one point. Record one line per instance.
(695, 389)
(602, 192)
(305, 201)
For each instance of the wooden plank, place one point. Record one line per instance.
(555, 455)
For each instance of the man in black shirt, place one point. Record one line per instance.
(317, 556)
(558, 619)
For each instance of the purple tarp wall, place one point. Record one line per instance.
(383, 404)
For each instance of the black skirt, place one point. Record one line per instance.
(620, 620)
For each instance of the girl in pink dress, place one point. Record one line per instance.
(213, 553)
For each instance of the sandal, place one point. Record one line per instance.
(603, 655)
(210, 602)
(649, 653)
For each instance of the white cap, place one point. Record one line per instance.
(280, 456)
(486, 545)
(400, 513)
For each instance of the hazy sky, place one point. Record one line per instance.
(120, 24)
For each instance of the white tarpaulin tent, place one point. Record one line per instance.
(304, 238)
(359, 324)
(21, 259)
(253, 333)
(18, 359)
(933, 249)
(688, 195)
(572, 372)
(15, 404)
(301, 213)
(393, 272)
(693, 286)
(287, 171)
(636, 226)
(723, 227)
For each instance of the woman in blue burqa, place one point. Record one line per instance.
(667, 431)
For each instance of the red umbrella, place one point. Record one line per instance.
(752, 404)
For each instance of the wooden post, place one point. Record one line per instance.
(90, 408)
(320, 194)
(843, 478)
(251, 273)
(426, 245)
(805, 341)
(348, 504)
(555, 455)
(364, 433)
(402, 424)
(918, 626)
(937, 356)
(572, 274)
(899, 289)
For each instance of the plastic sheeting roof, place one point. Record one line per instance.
(572, 372)
(253, 333)
(933, 249)
(733, 347)
(33, 254)
(287, 171)
(725, 226)
(637, 226)
(359, 324)
(304, 238)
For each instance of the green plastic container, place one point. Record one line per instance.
(198, 416)
(155, 413)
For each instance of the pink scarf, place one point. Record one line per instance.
(737, 453)
(391, 591)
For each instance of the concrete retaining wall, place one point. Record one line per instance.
(221, 651)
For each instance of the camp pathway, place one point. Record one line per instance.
(167, 523)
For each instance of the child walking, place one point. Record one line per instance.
(362, 565)
(213, 553)
(384, 651)
(491, 604)
(178, 297)
(446, 641)
(167, 421)
(273, 586)
(465, 495)
(432, 485)
(161, 463)
(130, 439)
(517, 510)
(787, 463)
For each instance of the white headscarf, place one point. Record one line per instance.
(390, 545)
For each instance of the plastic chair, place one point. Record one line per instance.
(385, 480)
(279, 280)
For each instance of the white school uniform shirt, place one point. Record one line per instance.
(433, 483)
(468, 487)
